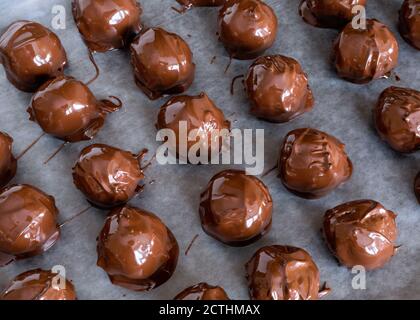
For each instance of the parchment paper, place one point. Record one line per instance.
(342, 109)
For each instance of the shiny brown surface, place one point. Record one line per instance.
(28, 222)
(107, 24)
(202, 291)
(362, 233)
(66, 109)
(236, 208)
(39, 285)
(247, 28)
(199, 112)
(31, 54)
(163, 63)
(8, 163)
(409, 22)
(278, 89)
(108, 176)
(397, 118)
(312, 163)
(282, 273)
(201, 3)
(136, 249)
(362, 55)
(328, 13)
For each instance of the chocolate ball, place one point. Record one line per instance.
(203, 291)
(8, 163)
(108, 176)
(247, 28)
(197, 113)
(362, 55)
(136, 249)
(107, 24)
(282, 273)
(39, 285)
(312, 163)
(361, 233)
(329, 13)
(236, 208)
(278, 89)
(409, 22)
(396, 118)
(163, 63)
(28, 222)
(31, 54)
(201, 3)
(66, 109)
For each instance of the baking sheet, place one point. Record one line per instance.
(342, 109)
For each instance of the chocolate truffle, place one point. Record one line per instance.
(163, 63)
(202, 291)
(409, 25)
(28, 222)
(397, 116)
(236, 208)
(199, 113)
(136, 249)
(247, 28)
(283, 273)
(278, 89)
(108, 176)
(8, 163)
(329, 13)
(312, 163)
(39, 285)
(187, 4)
(107, 24)
(31, 54)
(361, 233)
(66, 109)
(362, 55)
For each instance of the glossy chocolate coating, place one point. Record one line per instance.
(199, 112)
(107, 24)
(28, 222)
(278, 89)
(362, 55)
(31, 54)
(136, 249)
(66, 109)
(312, 163)
(329, 13)
(409, 22)
(362, 233)
(107, 176)
(236, 208)
(282, 273)
(397, 117)
(247, 28)
(202, 291)
(201, 3)
(163, 63)
(8, 163)
(39, 285)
